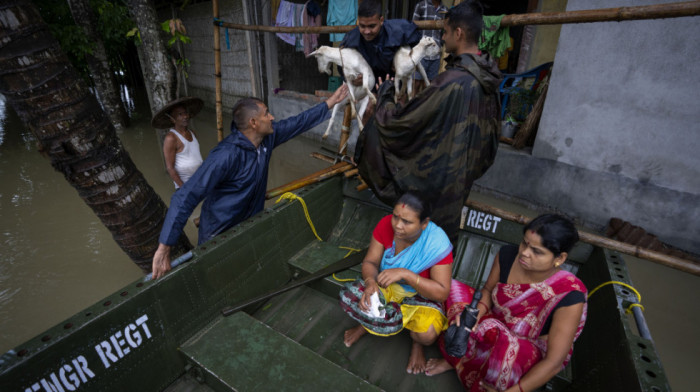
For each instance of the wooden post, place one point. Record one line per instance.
(345, 132)
(217, 73)
(249, 48)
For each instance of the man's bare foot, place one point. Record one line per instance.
(416, 361)
(436, 366)
(352, 335)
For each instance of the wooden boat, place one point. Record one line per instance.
(170, 334)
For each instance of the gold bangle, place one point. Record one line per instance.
(417, 280)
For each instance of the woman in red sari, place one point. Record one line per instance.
(530, 314)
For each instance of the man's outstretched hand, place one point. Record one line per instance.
(337, 96)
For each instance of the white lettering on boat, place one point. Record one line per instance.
(110, 350)
(68, 376)
(122, 343)
(479, 220)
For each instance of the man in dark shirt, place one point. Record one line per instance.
(233, 178)
(379, 40)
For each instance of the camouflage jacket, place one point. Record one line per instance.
(439, 143)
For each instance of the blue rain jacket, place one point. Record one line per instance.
(232, 180)
(380, 52)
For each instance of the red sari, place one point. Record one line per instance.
(506, 342)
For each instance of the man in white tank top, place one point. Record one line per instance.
(180, 146)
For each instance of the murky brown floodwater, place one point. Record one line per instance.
(56, 258)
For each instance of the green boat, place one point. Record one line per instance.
(170, 334)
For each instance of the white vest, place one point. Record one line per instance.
(189, 159)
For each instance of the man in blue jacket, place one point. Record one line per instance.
(233, 178)
(379, 40)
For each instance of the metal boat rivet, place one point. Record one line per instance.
(67, 325)
(107, 303)
(22, 352)
(124, 293)
(45, 338)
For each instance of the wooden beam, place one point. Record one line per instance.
(656, 11)
(604, 242)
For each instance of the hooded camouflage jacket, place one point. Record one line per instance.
(439, 143)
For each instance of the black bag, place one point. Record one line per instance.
(456, 338)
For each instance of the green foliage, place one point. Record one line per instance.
(178, 33)
(175, 29)
(112, 24)
(135, 34)
(520, 104)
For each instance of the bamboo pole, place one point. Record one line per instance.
(596, 240)
(319, 176)
(656, 11)
(322, 157)
(217, 73)
(345, 131)
(249, 49)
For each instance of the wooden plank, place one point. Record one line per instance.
(241, 353)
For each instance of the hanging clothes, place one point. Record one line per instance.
(291, 15)
(341, 13)
(494, 39)
(285, 17)
(311, 17)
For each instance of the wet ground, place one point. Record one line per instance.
(56, 258)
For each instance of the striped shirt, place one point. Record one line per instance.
(425, 10)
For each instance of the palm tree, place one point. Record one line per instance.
(155, 63)
(102, 76)
(75, 134)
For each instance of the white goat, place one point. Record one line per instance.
(407, 59)
(353, 65)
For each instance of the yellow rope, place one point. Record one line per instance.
(290, 196)
(629, 308)
(343, 280)
(350, 251)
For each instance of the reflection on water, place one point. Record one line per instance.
(56, 257)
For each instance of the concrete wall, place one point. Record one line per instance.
(620, 131)
(235, 71)
(546, 37)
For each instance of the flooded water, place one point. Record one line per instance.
(56, 258)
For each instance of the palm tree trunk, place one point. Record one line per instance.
(102, 76)
(155, 63)
(75, 134)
